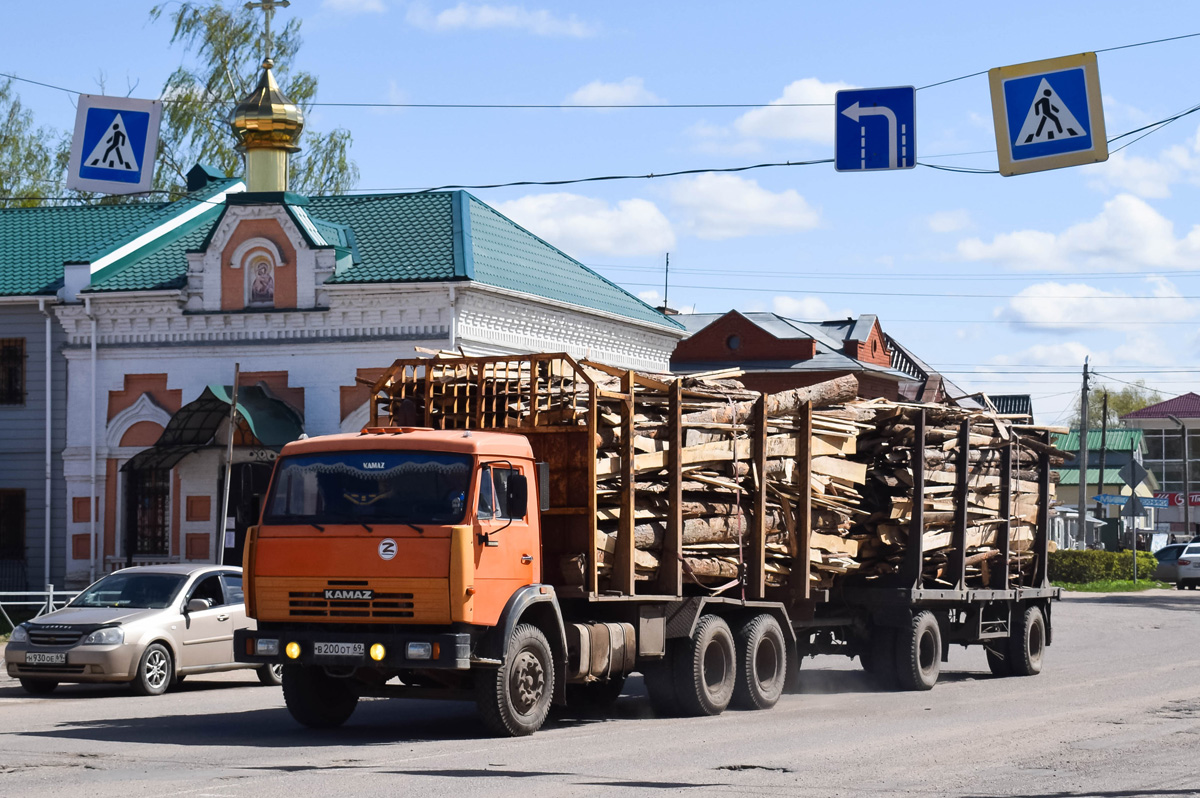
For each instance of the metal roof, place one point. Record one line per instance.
(1185, 406)
(1012, 403)
(1117, 440)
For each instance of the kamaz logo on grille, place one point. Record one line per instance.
(357, 595)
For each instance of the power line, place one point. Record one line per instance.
(1137, 297)
(806, 275)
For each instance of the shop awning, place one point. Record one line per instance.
(272, 422)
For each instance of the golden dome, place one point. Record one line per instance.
(265, 119)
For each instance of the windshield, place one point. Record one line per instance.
(370, 487)
(136, 591)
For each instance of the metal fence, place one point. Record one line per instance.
(41, 601)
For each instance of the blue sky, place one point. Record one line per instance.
(1032, 273)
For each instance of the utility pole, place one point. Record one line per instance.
(223, 526)
(1103, 451)
(1187, 479)
(667, 283)
(1081, 533)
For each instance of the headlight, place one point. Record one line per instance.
(109, 636)
(19, 634)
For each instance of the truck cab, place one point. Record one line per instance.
(391, 553)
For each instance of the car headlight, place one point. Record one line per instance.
(109, 636)
(19, 634)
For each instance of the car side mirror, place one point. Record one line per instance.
(518, 495)
(198, 605)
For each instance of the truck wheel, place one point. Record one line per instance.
(919, 653)
(705, 674)
(316, 699)
(761, 663)
(595, 694)
(880, 659)
(515, 699)
(1027, 643)
(659, 678)
(998, 662)
(270, 675)
(39, 686)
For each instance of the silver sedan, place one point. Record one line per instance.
(148, 626)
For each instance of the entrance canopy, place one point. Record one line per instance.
(272, 422)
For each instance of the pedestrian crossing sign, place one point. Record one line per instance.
(113, 149)
(1048, 114)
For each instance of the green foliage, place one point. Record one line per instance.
(1120, 402)
(227, 45)
(1113, 586)
(29, 155)
(1077, 567)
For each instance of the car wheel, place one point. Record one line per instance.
(270, 675)
(155, 671)
(39, 686)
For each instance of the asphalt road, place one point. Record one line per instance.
(1115, 712)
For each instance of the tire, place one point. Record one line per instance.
(998, 662)
(659, 678)
(315, 699)
(919, 653)
(706, 670)
(762, 663)
(39, 686)
(155, 671)
(595, 695)
(515, 698)
(880, 661)
(1027, 643)
(270, 675)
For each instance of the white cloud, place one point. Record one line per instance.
(650, 298)
(354, 6)
(631, 91)
(539, 22)
(717, 140)
(803, 308)
(1149, 177)
(582, 225)
(1128, 233)
(718, 206)
(808, 124)
(950, 221)
(1056, 354)
(1073, 306)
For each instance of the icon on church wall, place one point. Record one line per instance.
(262, 284)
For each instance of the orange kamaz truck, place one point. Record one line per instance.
(484, 538)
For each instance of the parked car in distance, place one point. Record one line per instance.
(1167, 569)
(148, 626)
(1189, 567)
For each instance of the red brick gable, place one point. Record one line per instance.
(734, 337)
(874, 350)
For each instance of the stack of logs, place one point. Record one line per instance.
(861, 486)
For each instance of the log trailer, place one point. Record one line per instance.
(456, 548)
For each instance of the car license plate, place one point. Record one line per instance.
(339, 649)
(39, 658)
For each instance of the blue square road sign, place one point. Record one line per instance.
(875, 129)
(113, 148)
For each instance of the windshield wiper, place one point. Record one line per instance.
(420, 531)
(318, 527)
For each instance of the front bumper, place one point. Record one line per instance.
(84, 663)
(453, 650)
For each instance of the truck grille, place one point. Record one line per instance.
(55, 637)
(304, 604)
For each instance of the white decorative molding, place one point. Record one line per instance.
(144, 409)
(357, 419)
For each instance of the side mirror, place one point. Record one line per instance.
(518, 496)
(198, 605)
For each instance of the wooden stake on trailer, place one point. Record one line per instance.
(956, 565)
(623, 578)
(593, 564)
(802, 480)
(1041, 541)
(1005, 530)
(670, 569)
(756, 560)
(914, 559)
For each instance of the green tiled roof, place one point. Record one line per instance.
(1070, 476)
(161, 264)
(401, 237)
(1117, 440)
(36, 241)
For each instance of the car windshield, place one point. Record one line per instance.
(369, 487)
(136, 591)
(1192, 551)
